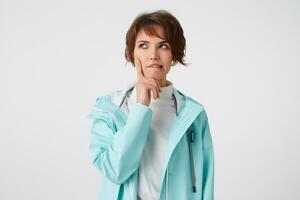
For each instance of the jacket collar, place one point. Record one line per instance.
(120, 98)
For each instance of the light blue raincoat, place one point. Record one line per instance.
(118, 139)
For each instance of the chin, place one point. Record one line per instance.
(155, 76)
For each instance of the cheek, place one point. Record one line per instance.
(167, 56)
(138, 54)
(168, 69)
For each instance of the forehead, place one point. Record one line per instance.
(152, 32)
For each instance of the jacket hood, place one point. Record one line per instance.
(118, 97)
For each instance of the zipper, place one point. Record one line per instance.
(167, 190)
(131, 190)
(131, 185)
(191, 138)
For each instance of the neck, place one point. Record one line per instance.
(163, 82)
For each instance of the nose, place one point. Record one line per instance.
(153, 54)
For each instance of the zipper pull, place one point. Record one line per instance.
(192, 135)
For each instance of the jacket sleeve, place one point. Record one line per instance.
(117, 153)
(208, 159)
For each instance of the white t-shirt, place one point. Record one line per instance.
(153, 158)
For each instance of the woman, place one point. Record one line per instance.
(149, 140)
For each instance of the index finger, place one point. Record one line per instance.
(139, 69)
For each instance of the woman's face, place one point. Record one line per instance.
(153, 50)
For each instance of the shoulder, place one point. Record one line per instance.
(112, 97)
(190, 100)
(116, 96)
(194, 101)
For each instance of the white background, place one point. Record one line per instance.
(56, 57)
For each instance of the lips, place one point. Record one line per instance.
(155, 66)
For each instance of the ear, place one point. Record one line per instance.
(127, 55)
(173, 63)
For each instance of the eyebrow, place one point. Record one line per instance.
(145, 41)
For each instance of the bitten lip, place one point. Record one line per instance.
(156, 65)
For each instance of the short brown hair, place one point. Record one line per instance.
(173, 33)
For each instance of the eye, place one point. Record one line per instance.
(142, 45)
(166, 46)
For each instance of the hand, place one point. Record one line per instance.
(144, 85)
